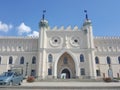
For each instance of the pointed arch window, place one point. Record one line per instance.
(108, 60)
(50, 58)
(0, 61)
(65, 61)
(96, 60)
(22, 60)
(34, 60)
(33, 72)
(119, 59)
(10, 60)
(81, 58)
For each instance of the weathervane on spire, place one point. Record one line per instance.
(43, 17)
(86, 16)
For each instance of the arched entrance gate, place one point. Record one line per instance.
(66, 67)
(65, 72)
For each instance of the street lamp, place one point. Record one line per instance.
(26, 68)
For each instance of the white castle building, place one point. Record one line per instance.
(62, 52)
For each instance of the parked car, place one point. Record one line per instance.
(11, 78)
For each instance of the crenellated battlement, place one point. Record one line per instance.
(18, 37)
(107, 37)
(107, 44)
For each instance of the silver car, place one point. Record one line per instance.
(11, 78)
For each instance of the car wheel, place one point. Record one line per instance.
(19, 83)
(11, 83)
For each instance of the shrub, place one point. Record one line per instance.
(108, 79)
(30, 79)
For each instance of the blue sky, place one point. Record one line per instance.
(21, 17)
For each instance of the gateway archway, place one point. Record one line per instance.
(66, 72)
(66, 65)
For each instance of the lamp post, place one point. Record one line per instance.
(26, 68)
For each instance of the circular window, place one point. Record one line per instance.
(75, 41)
(55, 41)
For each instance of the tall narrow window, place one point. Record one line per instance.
(119, 59)
(65, 61)
(0, 60)
(50, 58)
(22, 60)
(49, 71)
(108, 60)
(98, 72)
(10, 60)
(33, 72)
(81, 58)
(34, 60)
(96, 60)
(82, 71)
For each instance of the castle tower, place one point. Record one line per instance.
(43, 26)
(87, 28)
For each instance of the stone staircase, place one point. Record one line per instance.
(70, 80)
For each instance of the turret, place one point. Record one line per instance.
(87, 23)
(87, 28)
(42, 44)
(43, 23)
(43, 26)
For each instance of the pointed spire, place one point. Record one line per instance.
(87, 20)
(86, 16)
(43, 17)
(43, 23)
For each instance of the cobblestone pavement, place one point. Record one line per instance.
(65, 86)
(73, 84)
(60, 88)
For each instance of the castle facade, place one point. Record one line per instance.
(62, 53)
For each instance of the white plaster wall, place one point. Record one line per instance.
(17, 47)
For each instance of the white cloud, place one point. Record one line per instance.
(34, 34)
(5, 27)
(22, 28)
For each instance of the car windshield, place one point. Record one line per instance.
(7, 74)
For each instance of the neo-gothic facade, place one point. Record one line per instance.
(71, 52)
